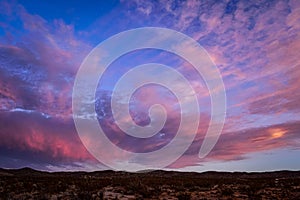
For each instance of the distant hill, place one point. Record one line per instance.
(208, 174)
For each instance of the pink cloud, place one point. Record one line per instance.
(256, 47)
(33, 133)
(237, 145)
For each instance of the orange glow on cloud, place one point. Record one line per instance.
(277, 133)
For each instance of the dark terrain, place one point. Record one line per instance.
(27, 183)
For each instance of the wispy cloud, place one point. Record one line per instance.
(255, 45)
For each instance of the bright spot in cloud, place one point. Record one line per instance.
(277, 133)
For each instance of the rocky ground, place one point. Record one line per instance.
(30, 184)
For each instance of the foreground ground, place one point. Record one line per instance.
(30, 184)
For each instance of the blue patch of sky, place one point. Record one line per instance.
(72, 12)
(231, 7)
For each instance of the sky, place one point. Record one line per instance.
(254, 44)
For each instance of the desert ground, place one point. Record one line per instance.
(27, 183)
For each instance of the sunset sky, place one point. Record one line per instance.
(254, 44)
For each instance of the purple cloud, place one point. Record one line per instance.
(255, 45)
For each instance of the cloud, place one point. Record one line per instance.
(34, 134)
(255, 45)
(237, 145)
(38, 68)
